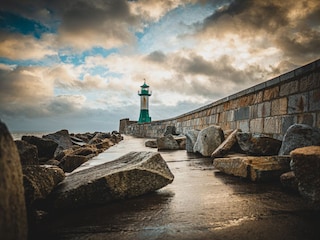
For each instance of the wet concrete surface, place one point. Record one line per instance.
(201, 203)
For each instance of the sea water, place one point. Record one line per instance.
(18, 135)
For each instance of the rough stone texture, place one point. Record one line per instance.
(257, 169)
(289, 181)
(152, 143)
(39, 181)
(226, 145)
(170, 130)
(85, 151)
(306, 166)
(28, 153)
(181, 142)
(131, 175)
(167, 143)
(258, 145)
(299, 135)
(104, 144)
(77, 141)
(13, 217)
(62, 138)
(46, 147)
(208, 140)
(70, 162)
(191, 138)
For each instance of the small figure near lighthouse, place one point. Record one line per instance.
(144, 103)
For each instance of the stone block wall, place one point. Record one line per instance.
(269, 107)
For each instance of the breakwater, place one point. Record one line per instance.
(269, 108)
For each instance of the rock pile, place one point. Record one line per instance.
(46, 160)
(294, 161)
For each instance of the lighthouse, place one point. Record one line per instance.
(144, 103)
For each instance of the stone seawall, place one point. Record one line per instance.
(269, 107)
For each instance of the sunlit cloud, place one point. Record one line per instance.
(72, 59)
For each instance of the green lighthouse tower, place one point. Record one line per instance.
(144, 103)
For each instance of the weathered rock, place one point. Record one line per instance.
(208, 140)
(167, 143)
(39, 181)
(28, 153)
(226, 145)
(298, 136)
(306, 166)
(152, 143)
(257, 169)
(131, 175)
(104, 144)
(191, 138)
(116, 137)
(85, 151)
(289, 181)
(70, 162)
(181, 140)
(170, 130)
(46, 147)
(53, 162)
(13, 216)
(62, 138)
(95, 140)
(64, 153)
(258, 144)
(77, 141)
(83, 136)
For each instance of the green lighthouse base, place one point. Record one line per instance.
(144, 116)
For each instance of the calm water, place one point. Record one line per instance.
(18, 135)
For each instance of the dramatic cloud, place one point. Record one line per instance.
(75, 59)
(290, 26)
(16, 46)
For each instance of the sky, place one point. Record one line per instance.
(78, 65)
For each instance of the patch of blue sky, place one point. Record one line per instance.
(15, 23)
(66, 56)
(164, 34)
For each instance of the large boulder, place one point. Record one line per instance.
(167, 143)
(306, 167)
(289, 181)
(152, 143)
(104, 144)
(46, 147)
(70, 162)
(28, 153)
(208, 140)
(257, 169)
(170, 130)
(298, 136)
(62, 138)
(226, 145)
(258, 144)
(181, 140)
(13, 216)
(131, 175)
(191, 138)
(39, 181)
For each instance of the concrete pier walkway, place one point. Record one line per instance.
(201, 203)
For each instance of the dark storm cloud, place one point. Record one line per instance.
(292, 26)
(80, 24)
(220, 68)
